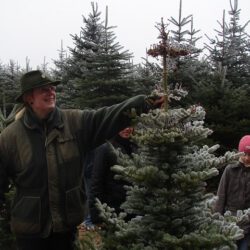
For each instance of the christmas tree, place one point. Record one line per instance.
(98, 71)
(167, 197)
(227, 85)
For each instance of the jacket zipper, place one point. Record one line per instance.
(45, 132)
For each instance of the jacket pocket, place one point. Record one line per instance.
(70, 164)
(68, 148)
(75, 206)
(26, 216)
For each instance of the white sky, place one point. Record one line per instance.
(35, 28)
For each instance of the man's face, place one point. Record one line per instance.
(43, 99)
(126, 133)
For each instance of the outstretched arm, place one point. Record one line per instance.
(104, 123)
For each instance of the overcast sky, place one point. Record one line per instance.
(35, 28)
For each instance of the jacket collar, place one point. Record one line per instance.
(54, 120)
(125, 143)
(239, 164)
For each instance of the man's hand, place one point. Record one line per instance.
(155, 101)
(159, 102)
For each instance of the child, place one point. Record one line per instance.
(234, 188)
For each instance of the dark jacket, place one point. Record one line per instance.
(103, 184)
(234, 189)
(44, 161)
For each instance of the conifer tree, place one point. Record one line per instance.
(107, 76)
(223, 87)
(71, 68)
(9, 76)
(9, 89)
(179, 35)
(230, 48)
(167, 196)
(98, 67)
(147, 76)
(187, 67)
(66, 92)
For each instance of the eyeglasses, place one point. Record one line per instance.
(47, 89)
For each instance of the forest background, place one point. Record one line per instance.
(97, 71)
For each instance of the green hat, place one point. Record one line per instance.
(34, 79)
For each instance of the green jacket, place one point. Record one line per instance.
(44, 162)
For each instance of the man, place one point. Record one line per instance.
(42, 154)
(104, 186)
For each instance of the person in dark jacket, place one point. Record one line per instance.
(42, 154)
(234, 188)
(103, 184)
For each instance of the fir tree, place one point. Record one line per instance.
(107, 76)
(147, 76)
(186, 67)
(66, 92)
(98, 68)
(72, 67)
(226, 106)
(168, 197)
(179, 34)
(9, 86)
(223, 85)
(9, 89)
(230, 48)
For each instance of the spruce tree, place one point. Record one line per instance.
(223, 85)
(230, 48)
(186, 68)
(66, 92)
(167, 196)
(9, 89)
(107, 76)
(147, 76)
(72, 67)
(98, 67)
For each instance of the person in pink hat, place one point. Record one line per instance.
(234, 189)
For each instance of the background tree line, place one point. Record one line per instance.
(97, 71)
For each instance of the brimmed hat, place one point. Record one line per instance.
(34, 79)
(244, 144)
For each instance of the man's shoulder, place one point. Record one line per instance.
(70, 112)
(13, 128)
(104, 146)
(9, 135)
(71, 116)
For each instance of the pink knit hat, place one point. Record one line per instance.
(244, 144)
